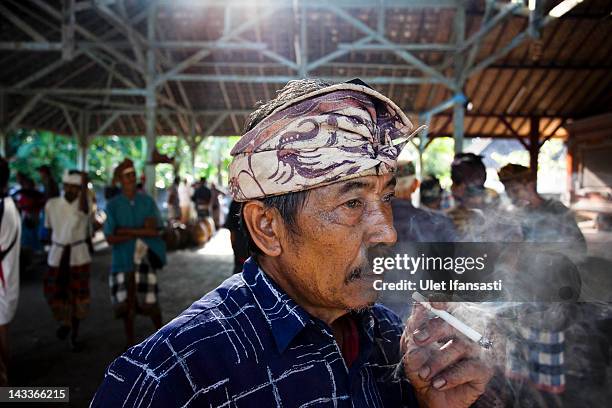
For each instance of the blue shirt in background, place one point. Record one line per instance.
(248, 344)
(123, 213)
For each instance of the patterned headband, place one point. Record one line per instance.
(333, 134)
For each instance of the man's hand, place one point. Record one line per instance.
(441, 364)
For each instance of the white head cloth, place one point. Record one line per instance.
(75, 178)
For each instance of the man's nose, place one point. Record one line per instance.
(380, 224)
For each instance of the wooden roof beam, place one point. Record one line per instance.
(405, 55)
(92, 37)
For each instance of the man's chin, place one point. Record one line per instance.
(362, 293)
(361, 308)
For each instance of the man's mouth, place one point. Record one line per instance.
(364, 271)
(360, 274)
(355, 274)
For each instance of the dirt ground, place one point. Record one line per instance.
(38, 358)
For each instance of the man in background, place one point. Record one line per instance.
(202, 197)
(542, 220)
(431, 193)
(132, 229)
(184, 195)
(537, 353)
(50, 187)
(215, 203)
(418, 229)
(174, 209)
(476, 214)
(10, 242)
(416, 224)
(30, 202)
(66, 282)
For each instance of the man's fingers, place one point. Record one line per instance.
(449, 354)
(415, 358)
(418, 316)
(469, 371)
(431, 331)
(420, 313)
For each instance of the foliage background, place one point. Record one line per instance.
(28, 149)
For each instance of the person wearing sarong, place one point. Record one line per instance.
(10, 242)
(66, 282)
(132, 228)
(539, 354)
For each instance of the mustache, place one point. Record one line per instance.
(376, 251)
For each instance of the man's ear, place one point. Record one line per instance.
(265, 226)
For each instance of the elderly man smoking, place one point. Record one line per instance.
(299, 326)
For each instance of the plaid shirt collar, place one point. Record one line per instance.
(285, 317)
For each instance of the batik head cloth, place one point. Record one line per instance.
(336, 133)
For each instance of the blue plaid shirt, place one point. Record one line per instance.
(247, 344)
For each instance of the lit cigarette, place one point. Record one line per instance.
(453, 321)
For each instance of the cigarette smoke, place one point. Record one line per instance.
(551, 284)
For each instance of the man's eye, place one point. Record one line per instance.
(353, 203)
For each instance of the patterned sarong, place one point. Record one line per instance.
(66, 289)
(135, 292)
(537, 357)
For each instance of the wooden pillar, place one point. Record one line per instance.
(534, 146)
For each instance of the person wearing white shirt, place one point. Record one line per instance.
(66, 283)
(10, 239)
(184, 193)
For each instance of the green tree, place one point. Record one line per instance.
(106, 152)
(29, 149)
(437, 159)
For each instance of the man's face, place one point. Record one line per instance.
(340, 229)
(71, 192)
(458, 191)
(518, 193)
(128, 180)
